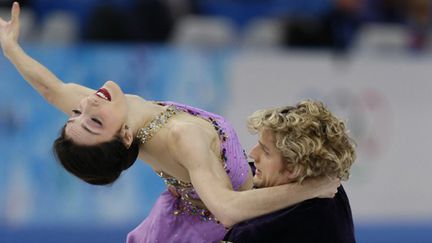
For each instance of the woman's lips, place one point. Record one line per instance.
(104, 94)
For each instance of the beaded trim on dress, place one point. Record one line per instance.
(146, 133)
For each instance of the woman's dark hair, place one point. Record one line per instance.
(99, 164)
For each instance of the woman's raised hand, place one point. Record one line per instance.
(9, 30)
(328, 187)
(322, 186)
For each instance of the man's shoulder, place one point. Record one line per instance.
(318, 214)
(312, 208)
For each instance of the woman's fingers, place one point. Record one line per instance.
(15, 13)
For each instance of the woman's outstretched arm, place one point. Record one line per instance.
(191, 147)
(63, 96)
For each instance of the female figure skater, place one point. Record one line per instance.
(197, 153)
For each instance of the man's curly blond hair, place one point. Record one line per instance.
(312, 141)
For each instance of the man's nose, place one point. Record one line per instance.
(252, 153)
(253, 159)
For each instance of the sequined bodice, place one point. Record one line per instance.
(146, 133)
(189, 203)
(232, 157)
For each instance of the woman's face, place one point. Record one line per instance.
(99, 116)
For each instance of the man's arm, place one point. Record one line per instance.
(63, 96)
(192, 148)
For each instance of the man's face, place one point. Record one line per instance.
(270, 169)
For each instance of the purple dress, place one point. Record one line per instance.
(185, 218)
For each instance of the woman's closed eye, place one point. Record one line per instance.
(96, 121)
(76, 112)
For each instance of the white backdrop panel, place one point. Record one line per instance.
(386, 102)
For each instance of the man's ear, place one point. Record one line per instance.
(126, 135)
(292, 172)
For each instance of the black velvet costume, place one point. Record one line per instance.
(316, 220)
